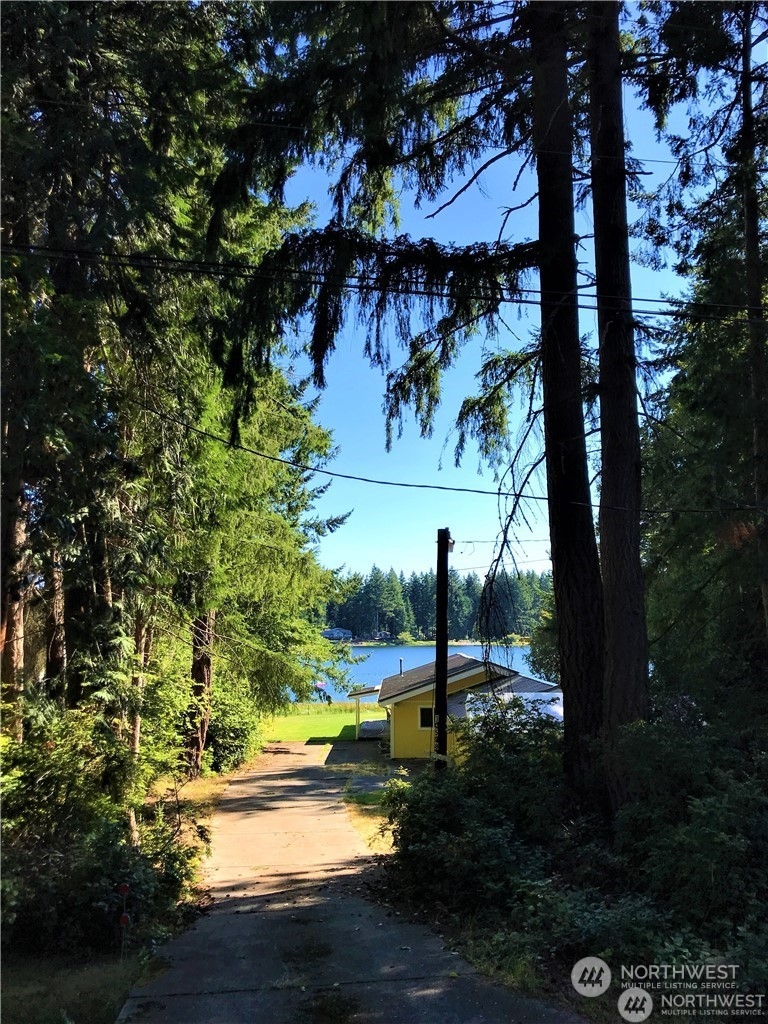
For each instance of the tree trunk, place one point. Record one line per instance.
(575, 567)
(77, 612)
(199, 714)
(8, 530)
(626, 644)
(142, 650)
(12, 498)
(758, 328)
(102, 574)
(89, 607)
(56, 635)
(12, 653)
(18, 393)
(79, 616)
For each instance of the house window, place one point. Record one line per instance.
(426, 718)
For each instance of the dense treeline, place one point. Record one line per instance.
(397, 606)
(160, 588)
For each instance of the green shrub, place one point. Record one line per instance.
(471, 831)
(67, 898)
(445, 847)
(695, 831)
(66, 846)
(679, 875)
(513, 753)
(234, 731)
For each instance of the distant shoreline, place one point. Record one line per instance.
(519, 642)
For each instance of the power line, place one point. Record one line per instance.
(249, 270)
(735, 506)
(527, 540)
(231, 125)
(515, 562)
(423, 487)
(314, 469)
(351, 282)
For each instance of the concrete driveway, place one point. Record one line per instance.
(291, 938)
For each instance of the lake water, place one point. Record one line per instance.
(385, 661)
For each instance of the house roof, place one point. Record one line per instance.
(422, 678)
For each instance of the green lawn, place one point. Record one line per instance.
(319, 723)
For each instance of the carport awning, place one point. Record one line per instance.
(356, 696)
(367, 691)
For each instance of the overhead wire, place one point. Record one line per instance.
(528, 540)
(734, 506)
(250, 270)
(516, 562)
(302, 467)
(349, 282)
(181, 115)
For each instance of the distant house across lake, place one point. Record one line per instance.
(335, 633)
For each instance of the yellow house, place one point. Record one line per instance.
(410, 700)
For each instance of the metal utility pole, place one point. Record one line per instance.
(444, 546)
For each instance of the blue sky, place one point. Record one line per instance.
(395, 527)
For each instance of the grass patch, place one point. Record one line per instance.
(502, 961)
(374, 767)
(192, 802)
(345, 734)
(367, 814)
(198, 798)
(50, 990)
(313, 723)
(371, 824)
(365, 799)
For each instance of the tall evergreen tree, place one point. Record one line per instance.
(705, 601)
(98, 161)
(474, 591)
(109, 380)
(576, 572)
(625, 691)
(716, 71)
(410, 621)
(422, 590)
(458, 606)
